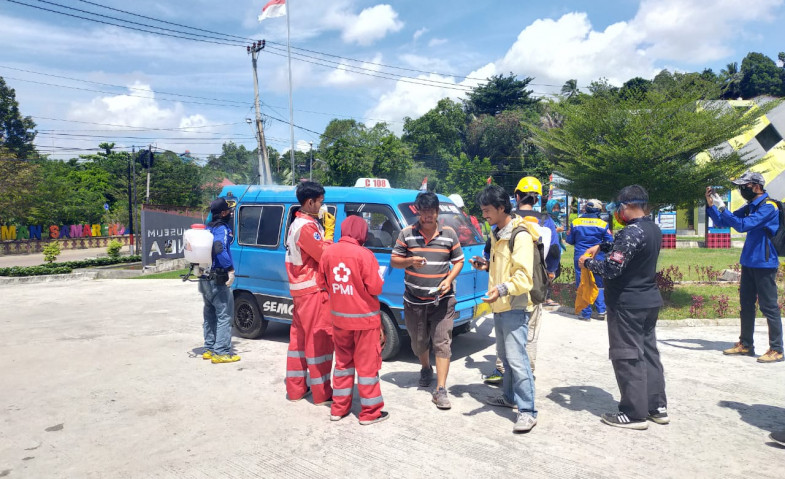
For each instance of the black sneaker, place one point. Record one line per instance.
(659, 416)
(383, 416)
(778, 437)
(426, 376)
(620, 419)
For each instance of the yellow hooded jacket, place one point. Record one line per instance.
(514, 270)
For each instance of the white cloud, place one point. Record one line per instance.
(435, 42)
(371, 24)
(419, 33)
(553, 51)
(344, 75)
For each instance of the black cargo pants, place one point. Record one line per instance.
(636, 360)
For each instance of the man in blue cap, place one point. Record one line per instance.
(759, 218)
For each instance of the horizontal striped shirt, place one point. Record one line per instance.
(440, 252)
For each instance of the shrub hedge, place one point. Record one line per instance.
(65, 267)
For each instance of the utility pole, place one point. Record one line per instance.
(265, 175)
(149, 164)
(133, 174)
(130, 204)
(310, 170)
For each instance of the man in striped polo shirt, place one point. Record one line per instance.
(427, 250)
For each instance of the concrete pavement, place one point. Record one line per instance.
(103, 379)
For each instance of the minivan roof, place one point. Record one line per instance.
(332, 194)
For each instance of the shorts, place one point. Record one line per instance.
(430, 324)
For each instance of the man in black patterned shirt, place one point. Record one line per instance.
(633, 301)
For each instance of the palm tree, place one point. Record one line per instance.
(570, 88)
(730, 77)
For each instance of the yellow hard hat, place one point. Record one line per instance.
(529, 184)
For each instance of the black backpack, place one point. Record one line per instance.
(778, 239)
(540, 279)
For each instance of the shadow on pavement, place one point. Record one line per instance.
(583, 398)
(762, 416)
(480, 392)
(696, 344)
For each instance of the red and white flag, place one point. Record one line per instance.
(274, 8)
(424, 186)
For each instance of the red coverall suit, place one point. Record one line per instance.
(310, 337)
(351, 275)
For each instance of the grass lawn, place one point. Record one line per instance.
(165, 275)
(686, 259)
(680, 305)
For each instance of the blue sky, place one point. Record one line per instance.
(451, 45)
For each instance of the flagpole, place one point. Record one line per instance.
(291, 108)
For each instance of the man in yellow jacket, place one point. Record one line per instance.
(509, 283)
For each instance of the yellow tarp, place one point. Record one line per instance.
(587, 291)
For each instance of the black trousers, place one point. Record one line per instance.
(636, 360)
(760, 284)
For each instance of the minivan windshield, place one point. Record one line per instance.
(449, 215)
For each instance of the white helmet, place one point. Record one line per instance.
(456, 198)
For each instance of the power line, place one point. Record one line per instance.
(138, 127)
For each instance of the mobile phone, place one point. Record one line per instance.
(479, 260)
(434, 290)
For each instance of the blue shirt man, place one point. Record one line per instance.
(759, 218)
(216, 289)
(586, 231)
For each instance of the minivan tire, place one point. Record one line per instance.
(392, 343)
(248, 320)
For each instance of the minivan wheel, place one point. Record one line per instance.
(392, 344)
(248, 320)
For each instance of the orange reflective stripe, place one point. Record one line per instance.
(422, 275)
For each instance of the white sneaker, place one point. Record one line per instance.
(525, 422)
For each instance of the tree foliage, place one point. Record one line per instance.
(467, 176)
(760, 76)
(438, 135)
(607, 142)
(17, 132)
(500, 93)
(351, 151)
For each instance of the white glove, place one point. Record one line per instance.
(231, 278)
(715, 198)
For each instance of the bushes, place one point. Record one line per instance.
(113, 249)
(65, 267)
(51, 252)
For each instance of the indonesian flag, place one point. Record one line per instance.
(488, 181)
(424, 186)
(274, 8)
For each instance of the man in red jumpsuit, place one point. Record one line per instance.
(350, 273)
(310, 337)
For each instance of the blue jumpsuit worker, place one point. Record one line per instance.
(216, 288)
(586, 231)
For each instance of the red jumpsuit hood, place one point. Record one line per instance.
(356, 228)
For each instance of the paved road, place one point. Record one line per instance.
(102, 379)
(65, 255)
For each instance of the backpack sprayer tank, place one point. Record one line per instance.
(198, 247)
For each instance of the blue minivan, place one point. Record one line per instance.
(261, 220)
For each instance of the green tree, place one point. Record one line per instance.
(236, 163)
(174, 181)
(467, 176)
(760, 76)
(570, 89)
(436, 136)
(20, 183)
(498, 94)
(730, 80)
(351, 151)
(17, 132)
(606, 143)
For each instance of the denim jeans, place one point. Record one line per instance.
(512, 328)
(218, 313)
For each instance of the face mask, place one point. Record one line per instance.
(747, 193)
(620, 217)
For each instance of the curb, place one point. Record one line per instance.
(49, 278)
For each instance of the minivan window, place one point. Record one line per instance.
(449, 215)
(383, 225)
(260, 225)
(295, 208)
